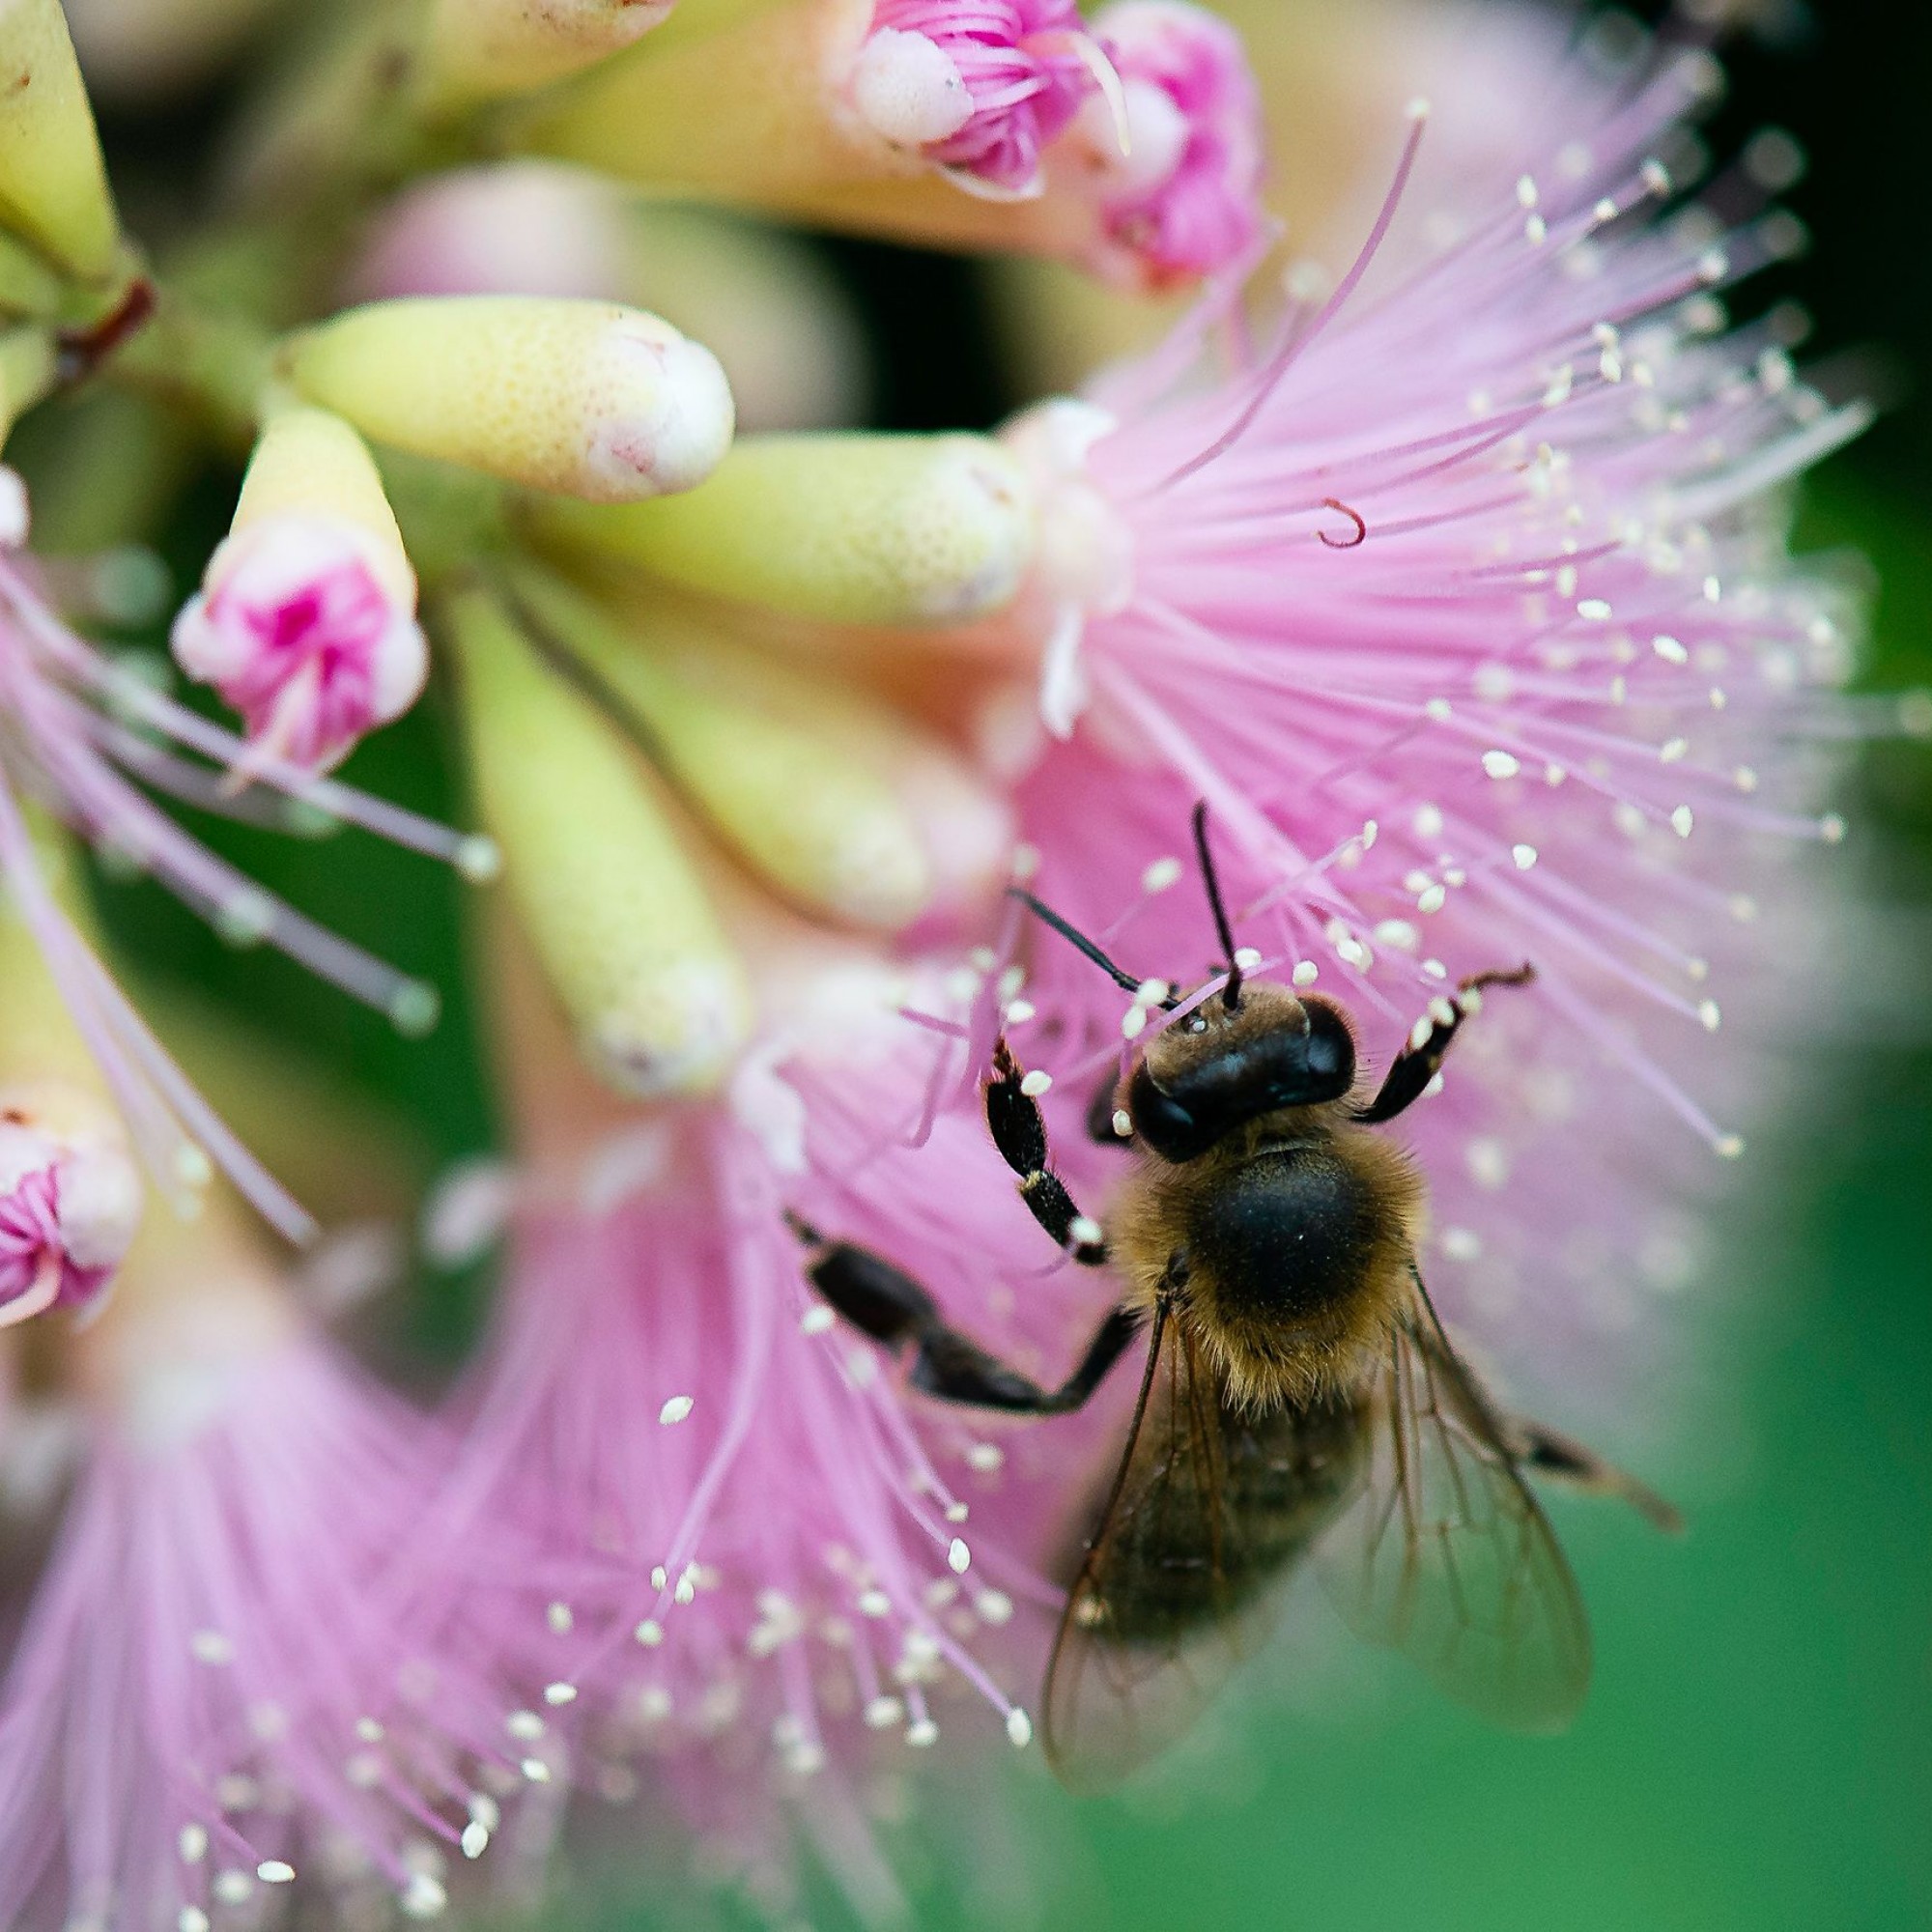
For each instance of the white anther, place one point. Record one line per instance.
(1247, 958)
(475, 1839)
(1036, 1083)
(1420, 1035)
(559, 1694)
(1124, 1125)
(1501, 764)
(1019, 1728)
(1681, 821)
(1133, 1022)
(1305, 973)
(675, 1409)
(816, 1319)
(1432, 898)
(276, 1871)
(1524, 857)
(921, 1734)
(1160, 875)
(649, 1632)
(959, 1557)
(1087, 1232)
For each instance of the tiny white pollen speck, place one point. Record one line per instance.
(560, 1618)
(535, 1769)
(211, 1647)
(1441, 1011)
(232, 1887)
(1418, 108)
(475, 1839)
(191, 1919)
(1420, 1035)
(649, 1632)
(276, 1871)
(1435, 969)
(194, 1844)
(1524, 857)
(815, 1321)
(922, 1735)
(559, 1694)
(1150, 992)
(875, 1604)
(1036, 1083)
(882, 1713)
(1305, 973)
(1681, 821)
(1709, 1017)
(1160, 875)
(1728, 1147)
(1525, 192)
(1831, 829)
(1670, 650)
(1124, 1125)
(1432, 898)
(1087, 1232)
(1500, 764)
(1019, 1011)
(1026, 863)
(1671, 750)
(525, 1725)
(659, 1577)
(1133, 1022)
(1247, 958)
(1594, 611)
(959, 1557)
(1438, 710)
(1020, 1727)
(675, 1409)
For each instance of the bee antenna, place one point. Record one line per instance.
(1079, 940)
(1230, 994)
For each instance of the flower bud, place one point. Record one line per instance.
(53, 185)
(593, 862)
(764, 301)
(305, 622)
(856, 529)
(825, 831)
(26, 372)
(980, 90)
(1181, 196)
(584, 398)
(27, 285)
(478, 50)
(69, 1198)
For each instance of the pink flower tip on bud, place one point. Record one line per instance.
(302, 633)
(977, 87)
(70, 1199)
(1180, 194)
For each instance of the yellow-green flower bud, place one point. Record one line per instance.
(478, 50)
(625, 932)
(26, 372)
(586, 398)
(825, 830)
(27, 285)
(855, 529)
(53, 185)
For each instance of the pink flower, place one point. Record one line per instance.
(229, 1683)
(298, 630)
(981, 88)
(70, 1202)
(1181, 199)
(1466, 611)
(86, 742)
(771, 1565)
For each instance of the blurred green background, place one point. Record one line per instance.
(1757, 1754)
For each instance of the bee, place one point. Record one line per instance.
(1299, 1400)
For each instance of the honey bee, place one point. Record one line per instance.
(1299, 1398)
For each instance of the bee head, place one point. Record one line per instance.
(1225, 1064)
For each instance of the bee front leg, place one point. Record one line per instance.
(1416, 1065)
(886, 1304)
(1020, 1132)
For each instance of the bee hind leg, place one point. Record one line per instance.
(886, 1304)
(1551, 1453)
(1019, 1131)
(1416, 1065)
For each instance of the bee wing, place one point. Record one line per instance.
(1446, 1555)
(1207, 1511)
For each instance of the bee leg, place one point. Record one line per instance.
(886, 1304)
(1416, 1066)
(1551, 1453)
(1020, 1132)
